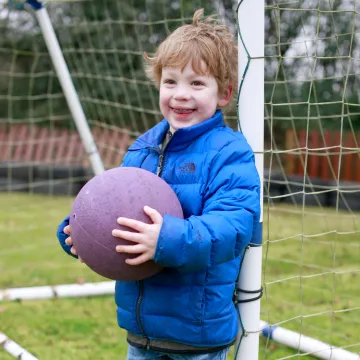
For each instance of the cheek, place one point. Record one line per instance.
(208, 100)
(164, 102)
(164, 96)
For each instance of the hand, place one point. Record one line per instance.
(69, 242)
(145, 238)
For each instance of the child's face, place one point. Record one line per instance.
(187, 98)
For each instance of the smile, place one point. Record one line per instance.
(183, 111)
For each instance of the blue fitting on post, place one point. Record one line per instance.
(268, 331)
(35, 4)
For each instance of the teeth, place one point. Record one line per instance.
(183, 111)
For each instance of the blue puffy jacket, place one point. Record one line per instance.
(211, 169)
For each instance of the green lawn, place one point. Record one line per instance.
(311, 276)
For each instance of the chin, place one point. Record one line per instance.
(177, 125)
(182, 124)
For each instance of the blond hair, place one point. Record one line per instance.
(203, 41)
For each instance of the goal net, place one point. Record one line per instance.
(311, 230)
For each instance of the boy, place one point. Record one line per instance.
(186, 311)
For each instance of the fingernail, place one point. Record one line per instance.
(113, 232)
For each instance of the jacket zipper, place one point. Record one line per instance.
(138, 319)
(160, 164)
(162, 157)
(141, 284)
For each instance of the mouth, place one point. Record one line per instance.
(182, 111)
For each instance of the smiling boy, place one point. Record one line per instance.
(186, 312)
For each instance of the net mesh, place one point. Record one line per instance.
(312, 154)
(311, 238)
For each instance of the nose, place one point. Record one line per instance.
(182, 93)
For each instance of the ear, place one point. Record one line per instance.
(226, 96)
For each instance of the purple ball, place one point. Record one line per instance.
(119, 192)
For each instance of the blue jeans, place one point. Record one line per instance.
(142, 354)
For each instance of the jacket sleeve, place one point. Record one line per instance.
(62, 237)
(230, 215)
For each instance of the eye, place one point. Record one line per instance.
(169, 81)
(197, 83)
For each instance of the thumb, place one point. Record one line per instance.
(154, 215)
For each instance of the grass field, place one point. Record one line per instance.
(311, 281)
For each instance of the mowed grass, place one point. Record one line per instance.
(311, 272)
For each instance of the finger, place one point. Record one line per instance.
(131, 223)
(138, 260)
(73, 251)
(67, 230)
(127, 235)
(68, 241)
(154, 215)
(131, 249)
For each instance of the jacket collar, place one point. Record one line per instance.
(181, 138)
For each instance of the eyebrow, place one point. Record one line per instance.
(170, 72)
